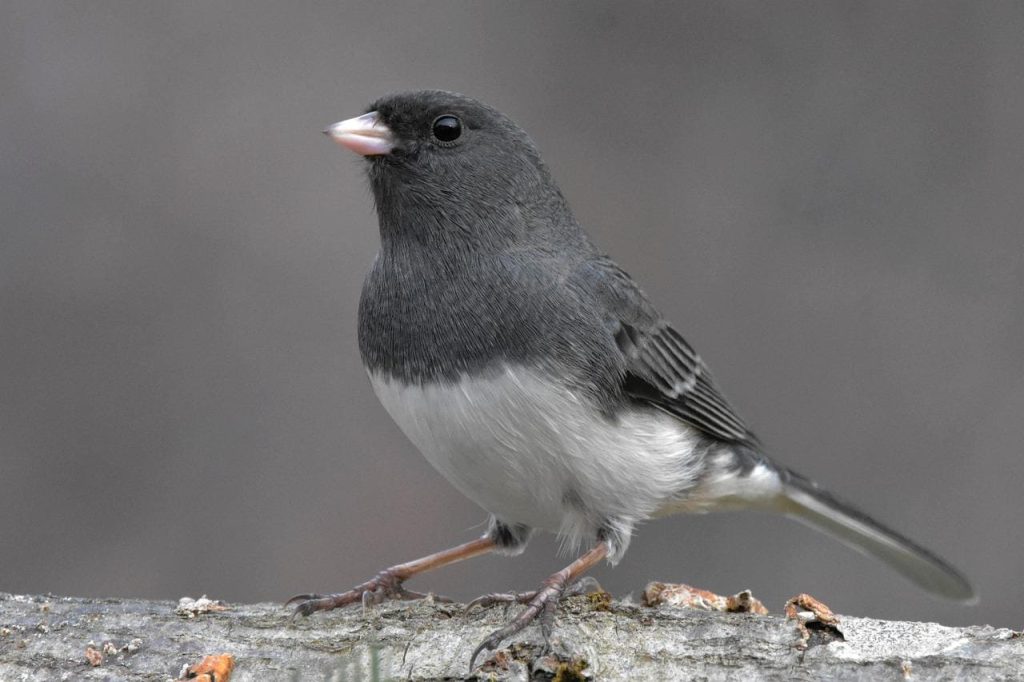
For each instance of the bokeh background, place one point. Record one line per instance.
(826, 197)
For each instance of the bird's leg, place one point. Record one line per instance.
(388, 583)
(542, 603)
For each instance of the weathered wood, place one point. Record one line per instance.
(45, 638)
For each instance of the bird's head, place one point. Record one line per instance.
(445, 166)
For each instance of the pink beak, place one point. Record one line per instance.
(364, 135)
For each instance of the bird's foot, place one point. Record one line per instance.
(585, 585)
(540, 606)
(385, 585)
(388, 583)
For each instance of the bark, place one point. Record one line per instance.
(46, 638)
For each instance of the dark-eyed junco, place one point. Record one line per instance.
(533, 372)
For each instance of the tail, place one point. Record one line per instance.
(804, 501)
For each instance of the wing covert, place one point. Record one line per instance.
(661, 368)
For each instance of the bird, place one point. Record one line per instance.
(537, 377)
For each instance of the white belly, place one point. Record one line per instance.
(531, 451)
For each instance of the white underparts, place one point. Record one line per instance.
(724, 487)
(532, 451)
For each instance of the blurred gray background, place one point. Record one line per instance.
(825, 197)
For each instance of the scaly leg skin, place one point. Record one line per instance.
(388, 583)
(585, 585)
(540, 605)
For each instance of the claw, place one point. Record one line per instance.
(302, 597)
(308, 604)
(490, 644)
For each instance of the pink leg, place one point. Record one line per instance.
(388, 583)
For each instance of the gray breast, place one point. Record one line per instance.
(424, 322)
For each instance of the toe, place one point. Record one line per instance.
(301, 598)
(489, 644)
(486, 600)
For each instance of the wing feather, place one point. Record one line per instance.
(661, 368)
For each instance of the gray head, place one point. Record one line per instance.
(449, 171)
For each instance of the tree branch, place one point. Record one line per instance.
(45, 638)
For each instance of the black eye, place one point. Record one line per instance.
(447, 128)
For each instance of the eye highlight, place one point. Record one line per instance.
(447, 128)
